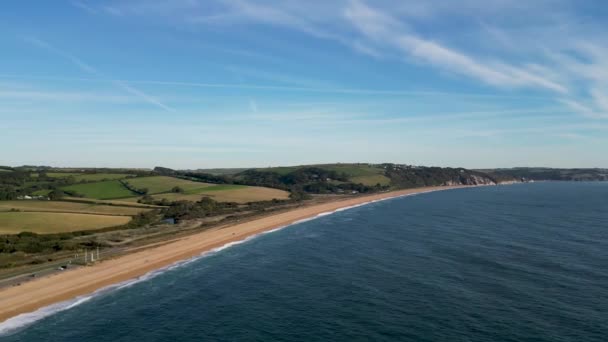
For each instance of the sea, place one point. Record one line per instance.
(524, 262)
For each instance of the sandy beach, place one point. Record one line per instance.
(59, 287)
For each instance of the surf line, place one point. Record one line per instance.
(22, 321)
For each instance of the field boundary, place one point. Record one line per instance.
(95, 201)
(61, 212)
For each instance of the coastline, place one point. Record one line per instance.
(56, 288)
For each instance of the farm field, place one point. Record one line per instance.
(47, 223)
(160, 184)
(68, 207)
(101, 190)
(223, 187)
(246, 194)
(227, 193)
(90, 177)
(371, 180)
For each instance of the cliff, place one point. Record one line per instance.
(404, 176)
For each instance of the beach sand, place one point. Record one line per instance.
(59, 287)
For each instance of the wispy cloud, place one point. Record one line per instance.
(79, 63)
(62, 96)
(372, 31)
(84, 6)
(587, 66)
(142, 95)
(551, 56)
(285, 88)
(383, 28)
(93, 71)
(584, 110)
(552, 53)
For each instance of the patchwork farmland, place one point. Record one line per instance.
(91, 201)
(50, 215)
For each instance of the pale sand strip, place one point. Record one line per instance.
(59, 287)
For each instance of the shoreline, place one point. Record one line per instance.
(54, 289)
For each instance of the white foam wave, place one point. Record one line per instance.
(21, 321)
(273, 230)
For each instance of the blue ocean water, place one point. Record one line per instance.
(526, 262)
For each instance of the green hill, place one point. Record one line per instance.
(544, 173)
(344, 178)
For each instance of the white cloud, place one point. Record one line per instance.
(383, 28)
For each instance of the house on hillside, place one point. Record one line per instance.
(27, 197)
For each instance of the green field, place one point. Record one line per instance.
(244, 194)
(160, 184)
(47, 223)
(69, 207)
(89, 177)
(371, 180)
(101, 190)
(226, 193)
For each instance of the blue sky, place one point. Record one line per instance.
(231, 83)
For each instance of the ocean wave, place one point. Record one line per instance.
(19, 322)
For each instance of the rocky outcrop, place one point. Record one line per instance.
(467, 178)
(471, 180)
